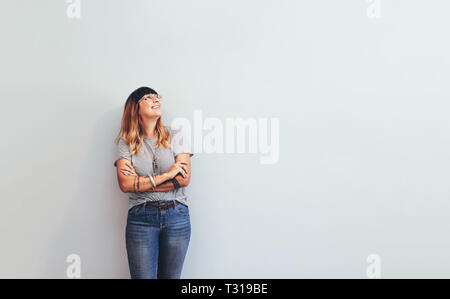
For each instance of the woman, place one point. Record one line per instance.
(153, 165)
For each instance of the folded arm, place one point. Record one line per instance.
(162, 181)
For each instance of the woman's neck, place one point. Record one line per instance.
(148, 128)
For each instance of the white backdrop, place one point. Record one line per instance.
(362, 104)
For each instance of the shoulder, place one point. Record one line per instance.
(122, 145)
(122, 142)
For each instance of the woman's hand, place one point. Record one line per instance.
(128, 169)
(178, 167)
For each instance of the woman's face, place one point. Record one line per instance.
(150, 106)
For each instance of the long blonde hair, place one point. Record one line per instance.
(131, 130)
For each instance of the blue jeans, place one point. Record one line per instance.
(157, 241)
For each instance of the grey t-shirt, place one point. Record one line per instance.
(165, 158)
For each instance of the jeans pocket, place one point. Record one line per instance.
(134, 210)
(182, 209)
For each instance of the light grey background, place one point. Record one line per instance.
(364, 144)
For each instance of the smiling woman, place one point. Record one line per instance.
(152, 104)
(155, 170)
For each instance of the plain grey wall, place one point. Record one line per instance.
(364, 145)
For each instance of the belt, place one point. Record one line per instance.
(161, 206)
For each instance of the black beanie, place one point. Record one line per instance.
(136, 95)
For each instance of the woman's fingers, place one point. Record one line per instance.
(185, 170)
(126, 172)
(181, 170)
(181, 163)
(181, 167)
(130, 167)
(129, 170)
(185, 167)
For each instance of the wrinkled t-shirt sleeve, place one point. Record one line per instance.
(122, 151)
(180, 142)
